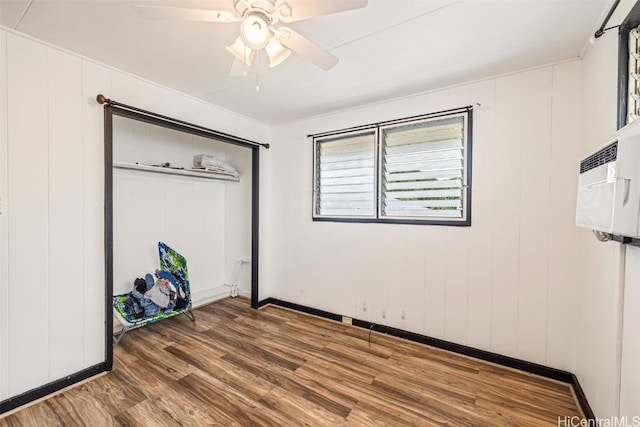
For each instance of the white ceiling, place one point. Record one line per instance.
(390, 48)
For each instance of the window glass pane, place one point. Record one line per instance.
(423, 169)
(345, 175)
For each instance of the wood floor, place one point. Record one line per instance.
(275, 367)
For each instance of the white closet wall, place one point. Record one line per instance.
(238, 202)
(52, 289)
(207, 221)
(4, 226)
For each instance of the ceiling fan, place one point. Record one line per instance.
(259, 26)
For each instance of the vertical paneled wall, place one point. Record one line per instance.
(237, 229)
(601, 276)
(630, 352)
(52, 319)
(32, 218)
(506, 284)
(265, 242)
(95, 79)
(52, 233)
(66, 214)
(562, 289)
(507, 143)
(4, 225)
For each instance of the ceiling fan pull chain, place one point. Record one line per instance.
(244, 62)
(258, 71)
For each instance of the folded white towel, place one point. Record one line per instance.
(214, 164)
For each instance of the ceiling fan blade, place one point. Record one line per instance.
(297, 10)
(306, 48)
(185, 14)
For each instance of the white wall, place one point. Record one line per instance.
(53, 235)
(238, 222)
(51, 188)
(506, 284)
(608, 295)
(630, 352)
(599, 285)
(4, 225)
(267, 260)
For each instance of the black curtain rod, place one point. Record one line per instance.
(392, 122)
(101, 99)
(600, 32)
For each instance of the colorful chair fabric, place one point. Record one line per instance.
(171, 261)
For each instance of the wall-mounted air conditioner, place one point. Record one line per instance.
(609, 185)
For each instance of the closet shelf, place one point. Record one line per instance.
(183, 172)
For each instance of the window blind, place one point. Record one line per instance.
(345, 175)
(423, 169)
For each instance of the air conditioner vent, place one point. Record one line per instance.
(604, 156)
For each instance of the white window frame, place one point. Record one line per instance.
(378, 129)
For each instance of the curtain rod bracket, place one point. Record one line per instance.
(600, 31)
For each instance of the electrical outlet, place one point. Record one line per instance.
(384, 313)
(364, 306)
(403, 315)
(347, 320)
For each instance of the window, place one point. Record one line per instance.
(629, 67)
(633, 78)
(345, 175)
(406, 171)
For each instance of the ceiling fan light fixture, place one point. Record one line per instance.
(241, 51)
(277, 52)
(254, 31)
(259, 27)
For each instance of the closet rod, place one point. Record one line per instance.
(101, 99)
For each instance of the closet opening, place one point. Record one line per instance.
(154, 193)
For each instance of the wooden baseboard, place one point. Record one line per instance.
(51, 388)
(582, 399)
